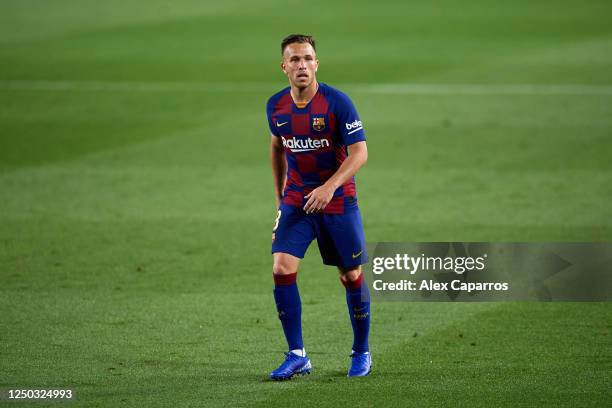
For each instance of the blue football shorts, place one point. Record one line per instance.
(339, 236)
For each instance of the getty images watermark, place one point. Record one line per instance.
(468, 271)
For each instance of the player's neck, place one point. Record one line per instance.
(301, 96)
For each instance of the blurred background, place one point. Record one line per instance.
(136, 196)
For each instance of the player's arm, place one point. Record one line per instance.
(279, 168)
(321, 196)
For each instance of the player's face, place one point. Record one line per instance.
(300, 63)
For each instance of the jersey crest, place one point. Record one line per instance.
(318, 124)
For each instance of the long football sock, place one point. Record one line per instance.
(358, 301)
(289, 309)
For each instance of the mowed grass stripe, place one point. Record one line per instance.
(198, 194)
(382, 88)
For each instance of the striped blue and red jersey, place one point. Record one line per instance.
(315, 140)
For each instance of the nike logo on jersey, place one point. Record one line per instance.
(357, 254)
(281, 124)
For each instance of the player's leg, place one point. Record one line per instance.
(287, 298)
(342, 243)
(291, 236)
(358, 302)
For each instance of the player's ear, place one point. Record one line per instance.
(282, 65)
(317, 66)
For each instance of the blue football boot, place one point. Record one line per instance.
(361, 365)
(292, 365)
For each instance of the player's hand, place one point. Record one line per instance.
(318, 198)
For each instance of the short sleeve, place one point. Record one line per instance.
(350, 127)
(269, 112)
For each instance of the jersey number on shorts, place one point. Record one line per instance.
(276, 221)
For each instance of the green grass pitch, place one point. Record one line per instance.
(136, 198)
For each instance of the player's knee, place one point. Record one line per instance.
(281, 268)
(350, 275)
